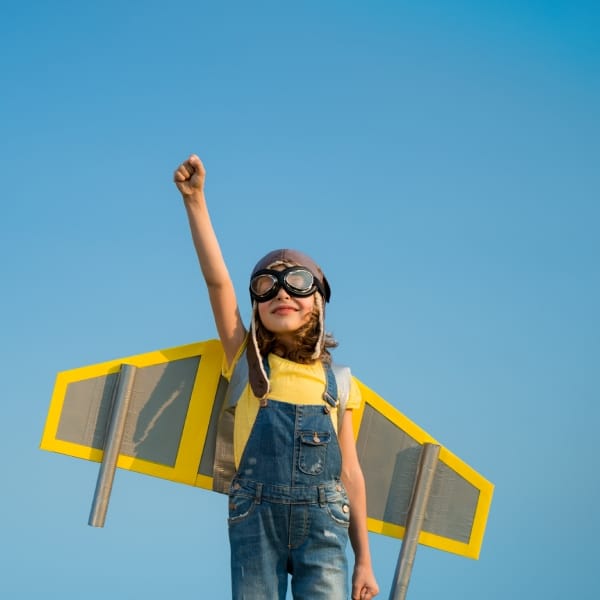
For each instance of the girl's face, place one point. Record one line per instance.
(284, 314)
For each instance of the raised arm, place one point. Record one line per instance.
(189, 178)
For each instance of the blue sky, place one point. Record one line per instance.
(440, 160)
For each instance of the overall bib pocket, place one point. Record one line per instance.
(313, 450)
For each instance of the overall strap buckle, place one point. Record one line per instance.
(258, 494)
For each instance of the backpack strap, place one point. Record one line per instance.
(224, 463)
(342, 377)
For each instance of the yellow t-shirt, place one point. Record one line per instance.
(290, 382)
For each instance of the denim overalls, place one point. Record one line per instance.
(288, 510)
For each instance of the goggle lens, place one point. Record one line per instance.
(262, 284)
(300, 280)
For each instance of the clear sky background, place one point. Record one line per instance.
(439, 159)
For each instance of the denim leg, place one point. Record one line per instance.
(258, 552)
(320, 561)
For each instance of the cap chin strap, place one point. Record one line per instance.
(257, 375)
(319, 345)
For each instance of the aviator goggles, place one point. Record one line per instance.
(296, 281)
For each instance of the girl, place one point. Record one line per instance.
(298, 489)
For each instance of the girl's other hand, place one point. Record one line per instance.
(364, 585)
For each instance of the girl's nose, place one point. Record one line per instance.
(282, 293)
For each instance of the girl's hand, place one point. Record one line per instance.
(189, 176)
(364, 585)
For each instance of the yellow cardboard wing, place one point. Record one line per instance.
(170, 432)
